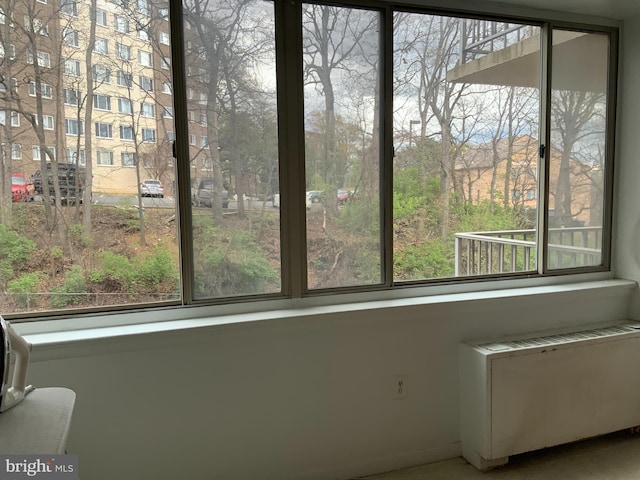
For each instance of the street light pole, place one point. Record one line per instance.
(411, 124)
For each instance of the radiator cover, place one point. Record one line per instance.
(524, 394)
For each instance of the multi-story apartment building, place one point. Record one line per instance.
(111, 106)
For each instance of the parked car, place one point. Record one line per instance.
(202, 194)
(315, 196)
(343, 196)
(70, 181)
(152, 188)
(21, 188)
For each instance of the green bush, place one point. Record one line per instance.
(142, 274)
(432, 259)
(14, 250)
(23, 288)
(157, 268)
(115, 269)
(71, 291)
(230, 262)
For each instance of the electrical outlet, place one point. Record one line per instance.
(399, 387)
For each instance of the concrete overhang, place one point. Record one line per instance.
(580, 63)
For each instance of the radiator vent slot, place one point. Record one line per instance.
(550, 340)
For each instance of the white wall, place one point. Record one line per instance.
(627, 202)
(311, 397)
(294, 398)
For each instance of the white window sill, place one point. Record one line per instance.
(174, 326)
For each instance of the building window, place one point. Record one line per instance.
(47, 122)
(146, 84)
(149, 135)
(15, 119)
(45, 90)
(121, 24)
(123, 52)
(204, 142)
(12, 51)
(192, 139)
(75, 158)
(167, 112)
(73, 126)
(145, 58)
(44, 59)
(101, 46)
(101, 18)
(203, 120)
(70, 37)
(102, 102)
(143, 35)
(104, 158)
(143, 7)
(165, 63)
(125, 79)
(36, 149)
(128, 159)
(104, 130)
(72, 67)
(35, 25)
(69, 7)
(126, 132)
(171, 136)
(16, 151)
(147, 110)
(166, 88)
(101, 74)
(124, 106)
(164, 38)
(72, 96)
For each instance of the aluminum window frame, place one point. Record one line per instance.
(290, 109)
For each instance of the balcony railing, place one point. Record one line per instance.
(510, 251)
(481, 37)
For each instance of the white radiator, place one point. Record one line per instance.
(529, 393)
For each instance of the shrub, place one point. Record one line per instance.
(230, 263)
(23, 288)
(115, 269)
(14, 250)
(71, 291)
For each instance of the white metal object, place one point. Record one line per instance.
(14, 343)
(524, 394)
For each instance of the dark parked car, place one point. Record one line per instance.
(202, 194)
(70, 181)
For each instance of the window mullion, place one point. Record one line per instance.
(387, 147)
(291, 146)
(542, 230)
(181, 150)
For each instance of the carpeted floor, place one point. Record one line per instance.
(610, 457)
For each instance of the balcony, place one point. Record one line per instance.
(511, 251)
(507, 54)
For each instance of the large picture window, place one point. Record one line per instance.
(301, 150)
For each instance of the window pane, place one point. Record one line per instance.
(578, 148)
(466, 134)
(124, 257)
(234, 173)
(342, 136)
